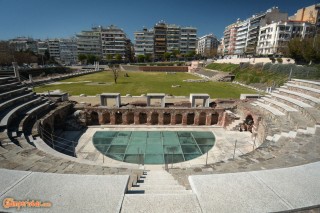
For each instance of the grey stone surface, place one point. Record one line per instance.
(10, 178)
(259, 191)
(69, 193)
(299, 186)
(161, 203)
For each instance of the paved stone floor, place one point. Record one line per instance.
(222, 150)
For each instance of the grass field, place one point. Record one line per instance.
(141, 83)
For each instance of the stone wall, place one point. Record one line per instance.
(153, 116)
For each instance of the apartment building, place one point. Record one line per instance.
(54, 48)
(144, 43)
(114, 41)
(160, 40)
(68, 51)
(24, 44)
(165, 38)
(241, 37)
(188, 39)
(173, 37)
(89, 42)
(309, 14)
(274, 37)
(207, 44)
(230, 35)
(42, 47)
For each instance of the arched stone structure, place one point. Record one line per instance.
(143, 118)
(214, 118)
(202, 118)
(178, 119)
(154, 118)
(104, 118)
(166, 118)
(118, 118)
(94, 118)
(130, 118)
(190, 118)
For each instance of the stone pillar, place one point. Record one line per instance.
(163, 102)
(124, 118)
(112, 118)
(208, 119)
(16, 70)
(173, 119)
(101, 118)
(196, 118)
(30, 78)
(148, 100)
(160, 119)
(184, 118)
(149, 118)
(136, 118)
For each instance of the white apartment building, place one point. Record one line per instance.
(241, 38)
(54, 48)
(114, 42)
(206, 44)
(173, 37)
(89, 42)
(188, 39)
(273, 38)
(144, 43)
(68, 51)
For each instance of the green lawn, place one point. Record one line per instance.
(141, 83)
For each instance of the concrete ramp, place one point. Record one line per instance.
(66, 192)
(259, 191)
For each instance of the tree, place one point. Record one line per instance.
(115, 73)
(109, 57)
(166, 56)
(118, 57)
(82, 58)
(141, 58)
(148, 57)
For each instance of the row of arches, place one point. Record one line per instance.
(154, 118)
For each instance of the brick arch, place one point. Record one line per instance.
(130, 118)
(178, 118)
(154, 118)
(105, 118)
(190, 118)
(143, 118)
(118, 118)
(166, 118)
(94, 118)
(202, 118)
(214, 118)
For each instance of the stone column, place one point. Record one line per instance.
(208, 119)
(184, 118)
(101, 118)
(173, 119)
(136, 118)
(196, 118)
(160, 118)
(112, 118)
(124, 118)
(149, 118)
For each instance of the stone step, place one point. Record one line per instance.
(168, 192)
(159, 181)
(314, 84)
(301, 95)
(185, 203)
(158, 187)
(292, 100)
(310, 89)
(269, 108)
(283, 106)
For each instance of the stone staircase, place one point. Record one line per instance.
(158, 191)
(158, 182)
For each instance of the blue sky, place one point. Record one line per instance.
(63, 18)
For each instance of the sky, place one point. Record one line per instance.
(64, 18)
